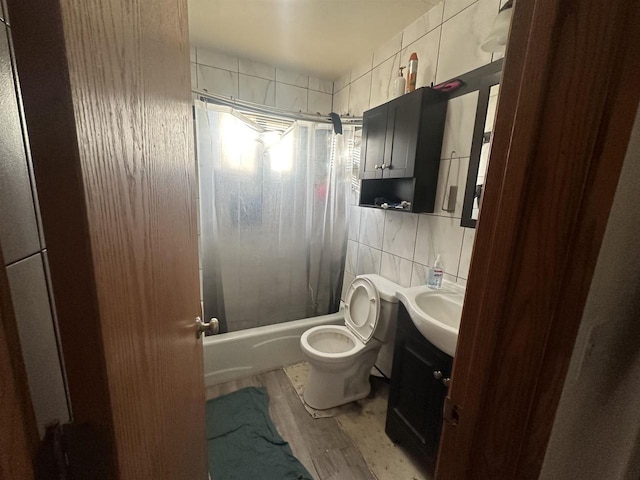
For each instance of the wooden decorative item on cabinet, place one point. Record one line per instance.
(401, 144)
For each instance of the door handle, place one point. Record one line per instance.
(213, 327)
(439, 376)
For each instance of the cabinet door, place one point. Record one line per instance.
(402, 136)
(416, 398)
(374, 129)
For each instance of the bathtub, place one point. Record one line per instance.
(229, 356)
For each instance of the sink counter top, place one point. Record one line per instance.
(435, 313)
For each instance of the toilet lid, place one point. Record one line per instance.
(362, 308)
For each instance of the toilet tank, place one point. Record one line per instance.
(386, 328)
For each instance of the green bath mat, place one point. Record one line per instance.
(243, 443)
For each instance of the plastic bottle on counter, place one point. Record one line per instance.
(435, 275)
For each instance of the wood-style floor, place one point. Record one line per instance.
(319, 443)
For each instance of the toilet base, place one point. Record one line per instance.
(331, 385)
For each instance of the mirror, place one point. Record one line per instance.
(484, 151)
(485, 83)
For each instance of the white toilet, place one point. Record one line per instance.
(341, 357)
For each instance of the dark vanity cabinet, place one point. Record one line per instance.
(401, 144)
(419, 382)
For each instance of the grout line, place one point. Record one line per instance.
(263, 78)
(332, 97)
(26, 257)
(458, 13)
(384, 229)
(460, 256)
(435, 72)
(370, 88)
(415, 240)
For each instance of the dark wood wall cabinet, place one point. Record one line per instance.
(401, 144)
(419, 381)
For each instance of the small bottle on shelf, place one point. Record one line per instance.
(399, 85)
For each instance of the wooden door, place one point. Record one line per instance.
(106, 91)
(402, 135)
(568, 99)
(374, 130)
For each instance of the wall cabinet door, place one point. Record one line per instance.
(402, 140)
(402, 136)
(374, 130)
(416, 398)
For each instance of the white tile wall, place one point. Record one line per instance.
(292, 78)
(426, 48)
(257, 90)
(290, 97)
(372, 227)
(257, 69)
(396, 269)
(452, 7)
(217, 80)
(261, 83)
(320, 85)
(382, 79)
(368, 260)
(401, 246)
(216, 59)
(319, 102)
(400, 234)
(458, 130)
(359, 95)
(423, 25)
(462, 36)
(341, 101)
(439, 236)
(351, 264)
(387, 49)
(354, 222)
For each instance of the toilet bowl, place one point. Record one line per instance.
(341, 357)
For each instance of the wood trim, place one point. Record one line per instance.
(567, 104)
(18, 432)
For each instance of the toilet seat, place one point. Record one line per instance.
(362, 308)
(315, 341)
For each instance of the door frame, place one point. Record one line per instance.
(568, 99)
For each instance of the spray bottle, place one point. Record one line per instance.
(412, 72)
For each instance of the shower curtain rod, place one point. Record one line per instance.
(270, 111)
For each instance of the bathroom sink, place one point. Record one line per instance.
(435, 313)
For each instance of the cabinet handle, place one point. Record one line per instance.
(437, 374)
(383, 166)
(376, 167)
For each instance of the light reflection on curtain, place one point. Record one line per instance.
(273, 219)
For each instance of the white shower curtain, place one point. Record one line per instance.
(273, 211)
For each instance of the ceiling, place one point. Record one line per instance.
(321, 37)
